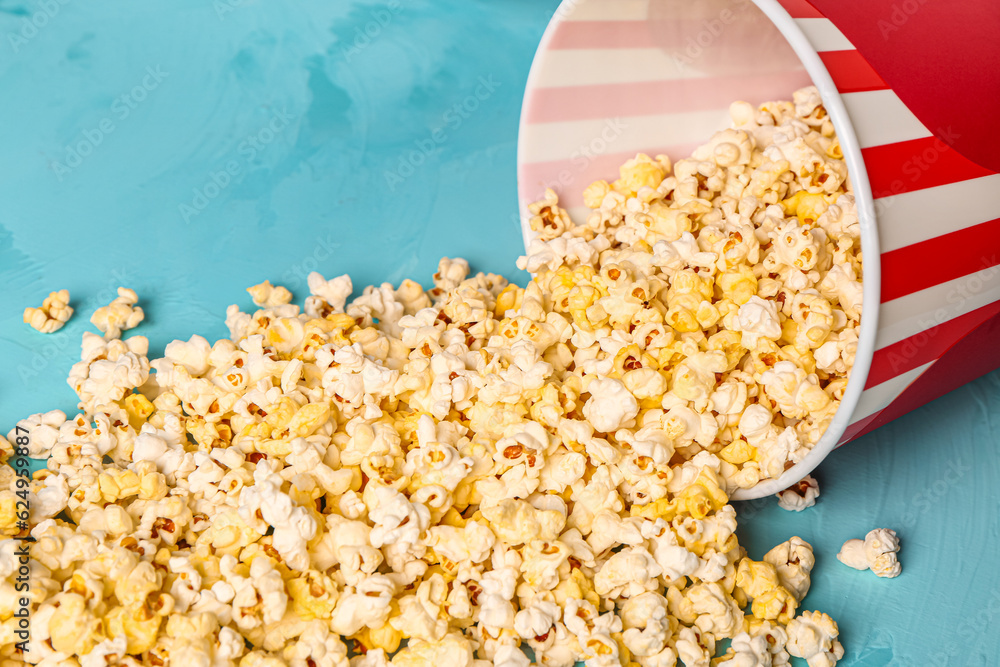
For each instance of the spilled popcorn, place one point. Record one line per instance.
(799, 496)
(120, 315)
(53, 314)
(447, 477)
(876, 552)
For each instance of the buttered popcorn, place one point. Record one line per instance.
(118, 316)
(53, 314)
(446, 477)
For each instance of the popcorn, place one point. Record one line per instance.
(880, 541)
(398, 524)
(120, 315)
(515, 522)
(193, 354)
(537, 619)
(105, 653)
(716, 611)
(694, 647)
(774, 635)
(641, 171)
(453, 649)
(800, 496)
(482, 467)
(610, 405)
(73, 628)
(694, 378)
(648, 625)
(44, 430)
(796, 393)
(876, 552)
(794, 561)
(747, 651)
(813, 636)
(629, 572)
(727, 148)
(293, 526)
(842, 283)
(327, 296)
(108, 369)
(756, 578)
(777, 604)
(852, 554)
(259, 595)
(547, 219)
(53, 314)
(266, 295)
(758, 318)
(674, 560)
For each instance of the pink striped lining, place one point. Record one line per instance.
(637, 34)
(850, 73)
(570, 103)
(592, 35)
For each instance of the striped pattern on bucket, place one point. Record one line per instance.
(590, 108)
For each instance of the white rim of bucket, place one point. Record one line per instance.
(872, 280)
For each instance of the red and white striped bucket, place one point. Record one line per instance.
(615, 77)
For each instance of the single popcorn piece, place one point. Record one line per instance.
(813, 636)
(454, 475)
(327, 296)
(120, 315)
(852, 554)
(53, 314)
(800, 496)
(876, 552)
(794, 561)
(610, 406)
(266, 295)
(548, 220)
(758, 318)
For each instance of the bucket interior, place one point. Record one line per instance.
(655, 76)
(613, 78)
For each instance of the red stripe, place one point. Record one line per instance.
(940, 259)
(974, 355)
(851, 72)
(548, 105)
(800, 9)
(916, 165)
(925, 346)
(604, 35)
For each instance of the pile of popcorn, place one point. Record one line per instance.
(447, 477)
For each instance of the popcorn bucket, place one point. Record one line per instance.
(914, 95)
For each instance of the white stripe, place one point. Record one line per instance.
(913, 313)
(912, 217)
(823, 35)
(882, 395)
(603, 10)
(594, 67)
(544, 142)
(879, 117)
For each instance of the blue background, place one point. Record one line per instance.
(349, 157)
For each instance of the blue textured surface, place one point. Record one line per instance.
(318, 189)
